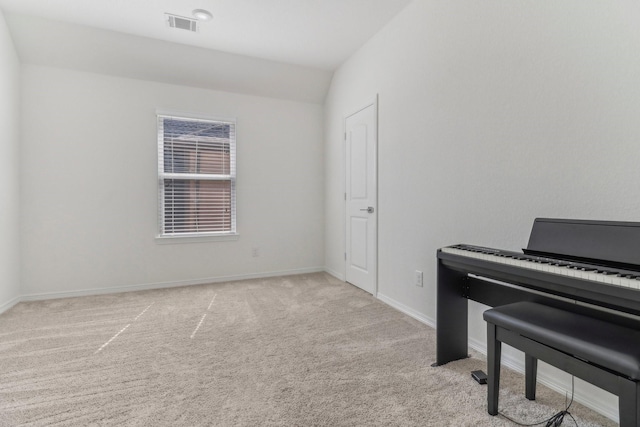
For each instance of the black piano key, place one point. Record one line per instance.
(549, 261)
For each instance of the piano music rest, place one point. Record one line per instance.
(602, 353)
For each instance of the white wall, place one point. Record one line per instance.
(491, 113)
(89, 185)
(9, 187)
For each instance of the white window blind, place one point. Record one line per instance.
(196, 176)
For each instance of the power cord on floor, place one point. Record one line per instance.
(554, 421)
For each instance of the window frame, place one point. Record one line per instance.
(188, 237)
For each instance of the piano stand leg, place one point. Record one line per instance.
(531, 370)
(494, 352)
(629, 403)
(451, 317)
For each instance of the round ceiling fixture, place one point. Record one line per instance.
(202, 15)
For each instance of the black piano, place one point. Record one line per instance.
(596, 263)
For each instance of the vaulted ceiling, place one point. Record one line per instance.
(280, 48)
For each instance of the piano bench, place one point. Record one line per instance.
(605, 354)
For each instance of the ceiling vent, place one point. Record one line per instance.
(182, 23)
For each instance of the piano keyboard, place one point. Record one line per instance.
(594, 273)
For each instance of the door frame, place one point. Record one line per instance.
(371, 102)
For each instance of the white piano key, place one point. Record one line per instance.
(590, 275)
(627, 283)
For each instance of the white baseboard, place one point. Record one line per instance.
(7, 305)
(160, 285)
(407, 310)
(335, 274)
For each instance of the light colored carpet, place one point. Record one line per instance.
(303, 350)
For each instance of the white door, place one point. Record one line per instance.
(361, 137)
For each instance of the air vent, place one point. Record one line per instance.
(182, 23)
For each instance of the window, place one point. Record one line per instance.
(196, 176)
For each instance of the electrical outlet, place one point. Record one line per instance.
(255, 252)
(418, 278)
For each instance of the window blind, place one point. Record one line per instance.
(196, 174)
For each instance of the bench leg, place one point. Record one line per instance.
(494, 348)
(531, 372)
(628, 404)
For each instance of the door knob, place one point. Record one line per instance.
(369, 209)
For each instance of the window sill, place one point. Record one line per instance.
(194, 238)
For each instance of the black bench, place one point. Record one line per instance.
(602, 353)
